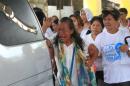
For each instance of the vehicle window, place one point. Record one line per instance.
(10, 32)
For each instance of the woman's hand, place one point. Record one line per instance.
(124, 48)
(89, 62)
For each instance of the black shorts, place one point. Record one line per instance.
(118, 84)
(99, 75)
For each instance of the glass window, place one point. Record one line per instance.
(55, 2)
(11, 33)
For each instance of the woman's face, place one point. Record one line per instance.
(123, 15)
(110, 22)
(64, 32)
(55, 26)
(75, 22)
(83, 16)
(96, 27)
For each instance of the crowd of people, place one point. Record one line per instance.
(87, 50)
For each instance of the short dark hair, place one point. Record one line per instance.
(114, 12)
(72, 16)
(40, 14)
(97, 18)
(77, 13)
(124, 10)
(55, 19)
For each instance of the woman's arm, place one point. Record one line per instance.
(51, 53)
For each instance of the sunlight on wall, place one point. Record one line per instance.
(93, 5)
(126, 4)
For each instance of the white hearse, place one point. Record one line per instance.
(24, 56)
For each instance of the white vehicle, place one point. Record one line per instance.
(24, 56)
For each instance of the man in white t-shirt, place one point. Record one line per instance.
(115, 53)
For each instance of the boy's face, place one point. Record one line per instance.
(123, 15)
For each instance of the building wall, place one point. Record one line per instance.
(125, 4)
(93, 5)
(78, 4)
(96, 5)
(41, 4)
(52, 10)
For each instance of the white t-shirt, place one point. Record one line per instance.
(49, 34)
(121, 28)
(68, 53)
(125, 28)
(84, 32)
(116, 64)
(89, 40)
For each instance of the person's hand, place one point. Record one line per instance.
(89, 62)
(53, 64)
(124, 48)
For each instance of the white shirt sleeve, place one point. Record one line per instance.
(98, 42)
(48, 33)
